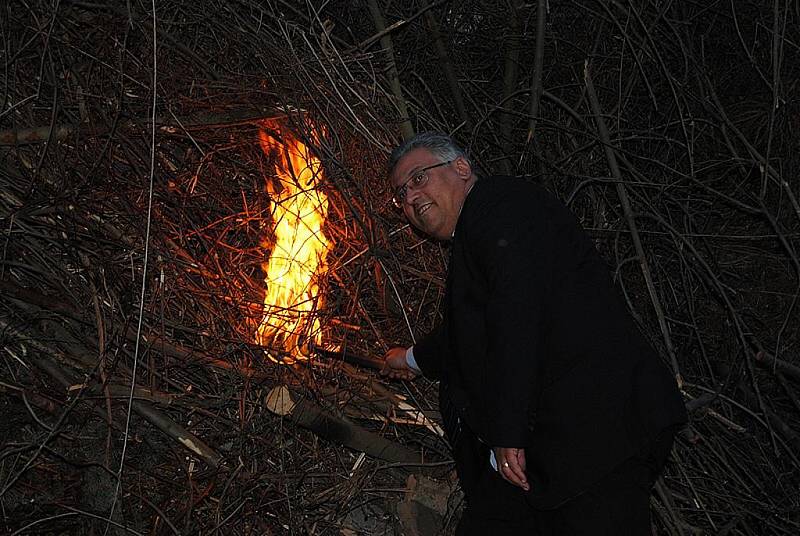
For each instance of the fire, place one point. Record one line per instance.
(297, 256)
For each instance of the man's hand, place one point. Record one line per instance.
(395, 365)
(511, 465)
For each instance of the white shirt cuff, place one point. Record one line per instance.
(410, 361)
(492, 460)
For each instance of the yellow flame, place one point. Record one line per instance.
(297, 258)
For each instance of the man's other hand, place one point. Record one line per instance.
(511, 465)
(395, 365)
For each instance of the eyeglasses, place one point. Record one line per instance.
(416, 181)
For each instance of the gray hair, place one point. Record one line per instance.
(438, 143)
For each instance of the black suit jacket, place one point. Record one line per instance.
(537, 350)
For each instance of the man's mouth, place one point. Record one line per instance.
(422, 209)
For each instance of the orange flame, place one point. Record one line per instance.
(297, 257)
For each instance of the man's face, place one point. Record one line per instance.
(433, 208)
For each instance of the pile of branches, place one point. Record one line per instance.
(136, 217)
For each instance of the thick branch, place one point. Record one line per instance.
(394, 77)
(626, 208)
(323, 423)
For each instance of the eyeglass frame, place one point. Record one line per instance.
(398, 199)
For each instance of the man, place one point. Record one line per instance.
(559, 414)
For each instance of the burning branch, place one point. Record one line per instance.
(297, 256)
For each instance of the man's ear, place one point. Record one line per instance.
(463, 168)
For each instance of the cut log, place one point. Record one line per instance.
(325, 424)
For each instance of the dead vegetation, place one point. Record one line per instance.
(136, 217)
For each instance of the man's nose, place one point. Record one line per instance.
(412, 194)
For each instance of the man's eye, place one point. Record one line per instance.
(417, 179)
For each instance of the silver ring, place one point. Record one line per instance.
(505, 464)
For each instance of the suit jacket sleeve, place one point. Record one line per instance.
(512, 246)
(431, 351)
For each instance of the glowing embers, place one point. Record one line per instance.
(297, 247)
